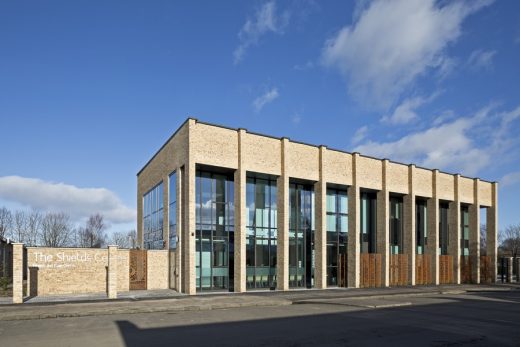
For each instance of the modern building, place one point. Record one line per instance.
(243, 211)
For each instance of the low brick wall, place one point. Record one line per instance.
(73, 270)
(123, 273)
(158, 272)
(61, 271)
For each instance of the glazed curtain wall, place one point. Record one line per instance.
(337, 232)
(214, 231)
(421, 226)
(301, 235)
(368, 207)
(261, 239)
(153, 218)
(172, 210)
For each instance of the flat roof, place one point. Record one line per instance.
(293, 141)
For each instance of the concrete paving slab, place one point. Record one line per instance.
(171, 301)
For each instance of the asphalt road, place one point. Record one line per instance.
(478, 319)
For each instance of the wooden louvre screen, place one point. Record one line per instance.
(423, 274)
(465, 269)
(342, 270)
(398, 269)
(445, 269)
(486, 271)
(370, 268)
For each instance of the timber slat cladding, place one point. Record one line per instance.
(486, 272)
(465, 269)
(445, 269)
(398, 269)
(342, 271)
(370, 270)
(423, 269)
(138, 269)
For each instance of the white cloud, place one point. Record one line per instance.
(480, 59)
(296, 118)
(78, 202)
(264, 99)
(265, 20)
(510, 179)
(453, 146)
(406, 111)
(360, 135)
(392, 43)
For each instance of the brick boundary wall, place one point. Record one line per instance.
(62, 271)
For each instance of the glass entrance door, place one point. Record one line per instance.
(301, 236)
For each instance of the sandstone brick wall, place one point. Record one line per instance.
(261, 154)
(423, 182)
(303, 161)
(369, 172)
(397, 178)
(445, 186)
(485, 195)
(338, 167)
(123, 271)
(466, 190)
(73, 270)
(66, 270)
(158, 269)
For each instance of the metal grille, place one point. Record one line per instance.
(445, 269)
(370, 270)
(423, 273)
(138, 266)
(398, 269)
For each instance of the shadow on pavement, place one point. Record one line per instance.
(464, 321)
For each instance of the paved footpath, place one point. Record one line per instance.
(484, 318)
(166, 302)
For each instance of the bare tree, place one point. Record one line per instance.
(6, 222)
(33, 225)
(56, 230)
(483, 239)
(93, 234)
(19, 226)
(511, 240)
(120, 239)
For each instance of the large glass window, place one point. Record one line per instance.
(368, 222)
(261, 233)
(153, 218)
(214, 231)
(421, 226)
(464, 230)
(172, 210)
(443, 228)
(337, 233)
(301, 235)
(396, 225)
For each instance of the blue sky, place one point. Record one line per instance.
(90, 90)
